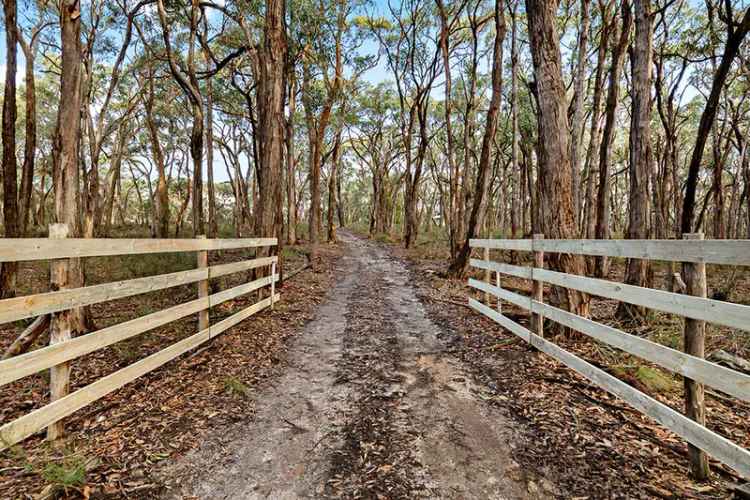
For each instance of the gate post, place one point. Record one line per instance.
(537, 287)
(694, 333)
(59, 330)
(203, 319)
(273, 283)
(497, 284)
(487, 274)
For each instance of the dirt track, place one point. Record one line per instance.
(370, 405)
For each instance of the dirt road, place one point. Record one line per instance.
(370, 405)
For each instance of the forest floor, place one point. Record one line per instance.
(370, 379)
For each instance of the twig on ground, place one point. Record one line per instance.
(28, 337)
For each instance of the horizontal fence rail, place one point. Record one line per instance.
(693, 368)
(24, 249)
(731, 252)
(58, 354)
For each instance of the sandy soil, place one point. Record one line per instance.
(370, 404)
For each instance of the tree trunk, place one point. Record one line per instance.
(27, 175)
(605, 150)
(113, 179)
(595, 134)
(640, 151)
(213, 225)
(189, 84)
(577, 125)
(459, 266)
(518, 200)
(196, 153)
(555, 169)
(9, 270)
(162, 196)
(332, 182)
(452, 215)
(271, 87)
(413, 179)
(291, 202)
(65, 146)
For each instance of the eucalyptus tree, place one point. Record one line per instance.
(449, 20)
(374, 139)
(271, 88)
(640, 164)
(185, 74)
(603, 209)
(30, 45)
(555, 168)
(410, 42)
(460, 263)
(9, 270)
(737, 27)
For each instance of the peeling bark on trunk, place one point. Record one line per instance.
(9, 270)
(65, 147)
(555, 169)
(269, 221)
(640, 151)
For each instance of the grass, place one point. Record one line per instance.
(290, 252)
(69, 473)
(383, 238)
(657, 381)
(59, 473)
(126, 352)
(235, 387)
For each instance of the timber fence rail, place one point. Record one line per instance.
(694, 253)
(58, 303)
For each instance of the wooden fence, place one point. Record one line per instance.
(694, 253)
(63, 349)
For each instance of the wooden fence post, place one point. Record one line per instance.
(59, 330)
(694, 275)
(497, 284)
(273, 283)
(537, 287)
(487, 275)
(203, 319)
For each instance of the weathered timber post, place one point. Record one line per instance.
(203, 319)
(695, 342)
(59, 330)
(273, 283)
(537, 286)
(487, 274)
(497, 284)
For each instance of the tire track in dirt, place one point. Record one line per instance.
(370, 406)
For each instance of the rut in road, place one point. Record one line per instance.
(370, 405)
